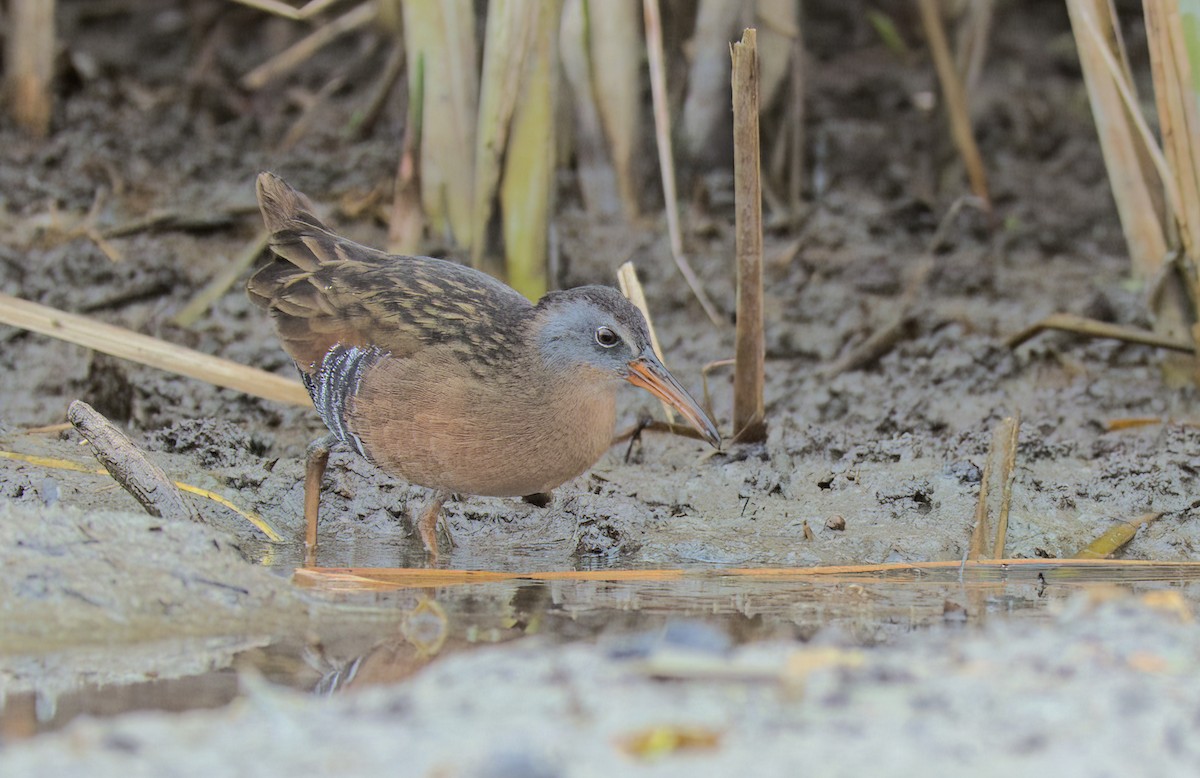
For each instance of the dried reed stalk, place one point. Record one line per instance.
(527, 186)
(615, 54)
(511, 25)
(145, 350)
(1135, 185)
(1176, 95)
(998, 470)
(441, 44)
(985, 571)
(666, 159)
(750, 351)
(1080, 325)
(957, 109)
(29, 63)
(1007, 477)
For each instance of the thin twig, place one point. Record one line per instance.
(704, 371)
(221, 282)
(682, 430)
(1081, 325)
(291, 57)
(666, 159)
(384, 86)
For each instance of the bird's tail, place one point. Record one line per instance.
(300, 241)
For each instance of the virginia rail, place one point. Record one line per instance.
(444, 376)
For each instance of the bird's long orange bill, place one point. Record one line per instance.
(648, 373)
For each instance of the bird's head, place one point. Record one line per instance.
(595, 331)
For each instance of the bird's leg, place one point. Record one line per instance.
(427, 524)
(315, 459)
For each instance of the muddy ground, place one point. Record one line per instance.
(96, 592)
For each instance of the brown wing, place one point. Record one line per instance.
(323, 290)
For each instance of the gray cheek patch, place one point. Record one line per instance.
(335, 382)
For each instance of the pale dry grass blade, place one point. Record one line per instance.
(152, 352)
(527, 186)
(974, 34)
(221, 282)
(615, 48)
(440, 42)
(1176, 98)
(29, 64)
(749, 353)
(666, 159)
(631, 287)
(1116, 538)
(1135, 185)
(955, 98)
(511, 25)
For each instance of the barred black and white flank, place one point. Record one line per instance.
(334, 382)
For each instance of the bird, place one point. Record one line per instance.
(444, 376)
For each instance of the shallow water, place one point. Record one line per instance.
(699, 612)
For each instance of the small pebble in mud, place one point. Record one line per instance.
(836, 522)
(48, 491)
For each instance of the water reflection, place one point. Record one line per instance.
(402, 629)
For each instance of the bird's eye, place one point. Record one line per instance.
(606, 337)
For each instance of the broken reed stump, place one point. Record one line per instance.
(29, 64)
(129, 465)
(998, 471)
(750, 351)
